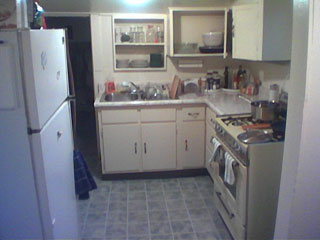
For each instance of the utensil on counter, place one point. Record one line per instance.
(264, 110)
(257, 126)
(191, 85)
(174, 87)
(212, 39)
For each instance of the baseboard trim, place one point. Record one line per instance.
(153, 175)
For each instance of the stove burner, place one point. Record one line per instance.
(238, 121)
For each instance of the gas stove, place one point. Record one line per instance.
(228, 129)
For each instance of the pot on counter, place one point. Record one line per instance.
(264, 110)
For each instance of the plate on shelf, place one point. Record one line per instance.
(139, 64)
(206, 49)
(231, 90)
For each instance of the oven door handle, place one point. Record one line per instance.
(231, 215)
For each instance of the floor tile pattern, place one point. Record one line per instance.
(177, 209)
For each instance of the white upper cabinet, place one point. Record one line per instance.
(187, 26)
(262, 31)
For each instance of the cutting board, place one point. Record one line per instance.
(174, 87)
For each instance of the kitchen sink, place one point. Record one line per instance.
(127, 97)
(120, 97)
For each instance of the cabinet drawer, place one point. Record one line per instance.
(195, 113)
(209, 135)
(158, 115)
(120, 116)
(211, 117)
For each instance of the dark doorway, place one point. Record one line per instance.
(79, 42)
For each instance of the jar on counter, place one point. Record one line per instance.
(210, 79)
(216, 80)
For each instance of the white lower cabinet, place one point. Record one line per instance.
(146, 140)
(121, 148)
(158, 146)
(191, 144)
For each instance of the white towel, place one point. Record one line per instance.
(228, 173)
(216, 145)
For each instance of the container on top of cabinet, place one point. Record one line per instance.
(139, 42)
(187, 26)
(262, 31)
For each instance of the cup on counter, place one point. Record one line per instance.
(110, 87)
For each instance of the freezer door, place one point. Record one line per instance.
(45, 73)
(53, 159)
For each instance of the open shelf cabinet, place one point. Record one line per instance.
(137, 50)
(188, 24)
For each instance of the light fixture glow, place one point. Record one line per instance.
(136, 2)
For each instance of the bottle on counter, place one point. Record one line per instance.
(226, 77)
(240, 79)
(216, 80)
(210, 79)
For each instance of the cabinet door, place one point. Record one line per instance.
(191, 144)
(159, 146)
(247, 32)
(121, 147)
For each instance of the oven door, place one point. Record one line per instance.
(233, 197)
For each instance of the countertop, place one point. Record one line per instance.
(223, 103)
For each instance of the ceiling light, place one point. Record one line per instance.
(136, 2)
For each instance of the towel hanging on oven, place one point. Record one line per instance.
(216, 145)
(228, 173)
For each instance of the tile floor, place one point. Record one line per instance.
(180, 208)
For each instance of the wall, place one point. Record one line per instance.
(80, 27)
(298, 211)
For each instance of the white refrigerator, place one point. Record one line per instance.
(38, 199)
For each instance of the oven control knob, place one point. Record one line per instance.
(236, 146)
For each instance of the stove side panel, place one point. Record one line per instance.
(263, 189)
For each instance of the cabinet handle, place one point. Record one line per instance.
(194, 115)
(135, 148)
(231, 215)
(186, 143)
(145, 148)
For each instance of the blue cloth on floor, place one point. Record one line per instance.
(84, 181)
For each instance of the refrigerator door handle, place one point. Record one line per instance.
(59, 134)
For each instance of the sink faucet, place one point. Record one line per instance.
(136, 87)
